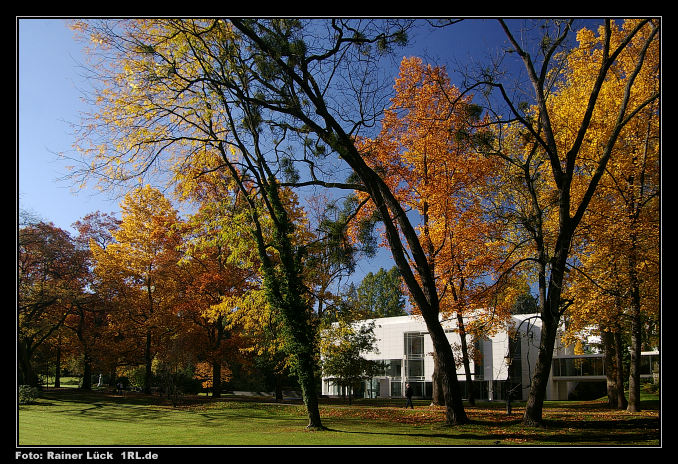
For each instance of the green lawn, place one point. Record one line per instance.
(69, 417)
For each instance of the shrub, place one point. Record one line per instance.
(27, 394)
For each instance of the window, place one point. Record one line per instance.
(414, 345)
(478, 361)
(414, 355)
(390, 368)
(396, 389)
(393, 367)
(415, 368)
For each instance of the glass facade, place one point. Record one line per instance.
(415, 369)
(577, 367)
(414, 363)
(594, 366)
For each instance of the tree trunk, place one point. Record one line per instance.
(437, 398)
(550, 309)
(309, 394)
(610, 366)
(466, 360)
(57, 366)
(542, 370)
(27, 375)
(636, 328)
(216, 379)
(447, 373)
(619, 364)
(148, 375)
(285, 291)
(278, 387)
(86, 373)
(634, 374)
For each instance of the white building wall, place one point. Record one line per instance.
(390, 333)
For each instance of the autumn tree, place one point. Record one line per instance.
(206, 279)
(616, 283)
(87, 321)
(219, 267)
(179, 81)
(142, 266)
(51, 274)
(558, 145)
(424, 153)
(300, 81)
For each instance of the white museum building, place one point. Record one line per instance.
(405, 348)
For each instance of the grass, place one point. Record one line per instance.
(69, 417)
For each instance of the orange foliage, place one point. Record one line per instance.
(437, 174)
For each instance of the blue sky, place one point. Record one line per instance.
(49, 99)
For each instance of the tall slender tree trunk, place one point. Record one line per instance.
(466, 360)
(634, 374)
(622, 403)
(277, 378)
(220, 334)
(550, 317)
(550, 303)
(148, 359)
(57, 365)
(636, 322)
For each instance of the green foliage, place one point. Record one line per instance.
(136, 378)
(343, 347)
(27, 394)
(380, 294)
(526, 303)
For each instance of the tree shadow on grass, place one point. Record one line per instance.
(553, 432)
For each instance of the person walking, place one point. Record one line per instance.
(408, 395)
